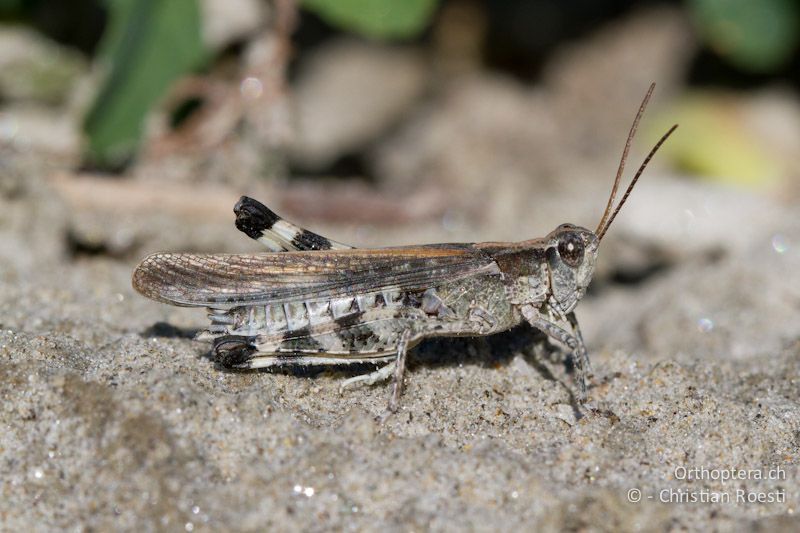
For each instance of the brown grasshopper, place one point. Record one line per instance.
(313, 301)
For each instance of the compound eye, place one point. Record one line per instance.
(570, 248)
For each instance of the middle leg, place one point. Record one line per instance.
(399, 370)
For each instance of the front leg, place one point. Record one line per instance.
(568, 333)
(576, 331)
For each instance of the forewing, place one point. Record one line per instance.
(230, 280)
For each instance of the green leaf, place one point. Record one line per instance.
(379, 19)
(715, 142)
(146, 47)
(754, 35)
(10, 7)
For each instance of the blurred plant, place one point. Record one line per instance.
(716, 142)
(378, 19)
(754, 35)
(147, 45)
(150, 43)
(10, 6)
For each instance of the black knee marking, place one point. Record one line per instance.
(253, 218)
(306, 240)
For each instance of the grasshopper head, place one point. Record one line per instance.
(571, 252)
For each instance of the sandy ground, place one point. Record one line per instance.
(114, 418)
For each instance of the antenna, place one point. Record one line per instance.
(608, 215)
(635, 179)
(624, 158)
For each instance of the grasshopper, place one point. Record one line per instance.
(314, 301)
